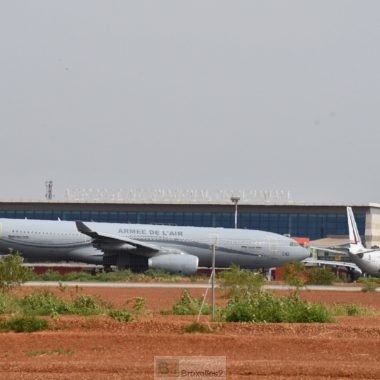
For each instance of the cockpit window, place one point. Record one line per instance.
(294, 244)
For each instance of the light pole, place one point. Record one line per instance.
(235, 200)
(213, 283)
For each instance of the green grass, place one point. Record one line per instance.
(351, 309)
(364, 280)
(369, 286)
(122, 275)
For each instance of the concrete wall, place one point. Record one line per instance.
(372, 227)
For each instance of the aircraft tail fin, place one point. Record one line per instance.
(355, 240)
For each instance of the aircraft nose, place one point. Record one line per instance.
(302, 253)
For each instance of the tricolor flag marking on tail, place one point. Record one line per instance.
(352, 228)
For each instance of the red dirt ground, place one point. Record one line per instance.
(99, 348)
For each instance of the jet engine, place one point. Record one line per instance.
(175, 263)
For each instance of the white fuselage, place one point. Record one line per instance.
(368, 260)
(61, 241)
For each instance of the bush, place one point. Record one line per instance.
(50, 275)
(25, 324)
(8, 303)
(121, 315)
(266, 307)
(77, 276)
(320, 276)
(188, 305)
(198, 327)
(86, 305)
(240, 281)
(295, 274)
(44, 303)
(12, 272)
(139, 305)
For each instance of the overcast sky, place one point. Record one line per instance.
(193, 94)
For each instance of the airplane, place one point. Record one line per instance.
(364, 260)
(139, 246)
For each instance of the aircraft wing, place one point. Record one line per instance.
(107, 242)
(310, 261)
(337, 251)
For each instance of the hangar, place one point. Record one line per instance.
(314, 221)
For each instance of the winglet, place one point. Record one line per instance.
(82, 228)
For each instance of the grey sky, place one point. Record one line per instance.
(202, 94)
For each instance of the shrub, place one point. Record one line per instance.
(188, 305)
(12, 272)
(86, 305)
(121, 315)
(24, 324)
(44, 303)
(139, 305)
(295, 274)
(320, 276)
(77, 276)
(50, 275)
(260, 307)
(8, 303)
(240, 281)
(302, 311)
(198, 327)
(266, 307)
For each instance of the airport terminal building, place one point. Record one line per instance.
(314, 221)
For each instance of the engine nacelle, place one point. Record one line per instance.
(175, 263)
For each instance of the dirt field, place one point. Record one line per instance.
(99, 348)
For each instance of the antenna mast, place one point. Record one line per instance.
(49, 190)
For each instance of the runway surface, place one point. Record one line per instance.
(182, 285)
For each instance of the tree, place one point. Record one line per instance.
(240, 282)
(12, 272)
(295, 274)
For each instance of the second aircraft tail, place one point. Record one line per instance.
(355, 240)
